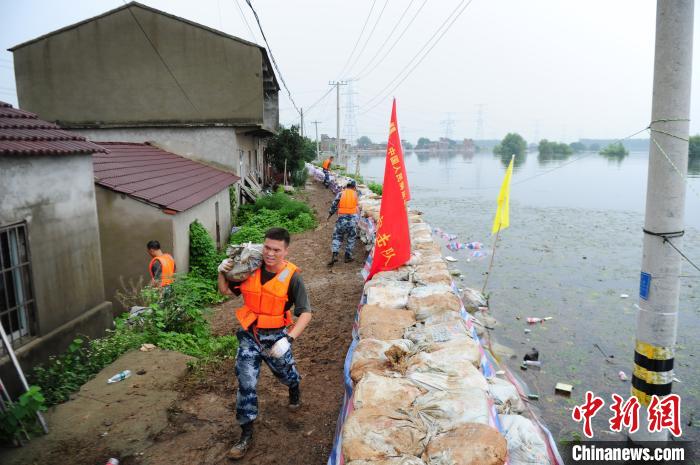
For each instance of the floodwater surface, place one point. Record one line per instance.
(573, 252)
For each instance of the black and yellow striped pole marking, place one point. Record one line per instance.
(653, 371)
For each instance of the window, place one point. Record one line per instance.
(16, 293)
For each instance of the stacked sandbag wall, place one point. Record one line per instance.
(420, 389)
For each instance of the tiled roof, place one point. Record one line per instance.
(155, 176)
(22, 133)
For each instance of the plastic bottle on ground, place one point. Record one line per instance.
(119, 377)
(112, 461)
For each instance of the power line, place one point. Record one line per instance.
(170, 71)
(272, 57)
(371, 33)
(308, 109)
(359, 74)
(358, 38)
(240, 11)
(454, 19)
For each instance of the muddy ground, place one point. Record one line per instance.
(180, 417)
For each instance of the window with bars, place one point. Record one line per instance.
(16, 290)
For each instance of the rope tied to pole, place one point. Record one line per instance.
(670, 235)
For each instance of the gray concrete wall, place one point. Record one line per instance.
(55, 195)
(126, 225)
(105, 71)
(205, 212)
(218, 147)
(271, 111)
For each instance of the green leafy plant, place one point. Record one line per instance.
(376, 187)
(19, 419)
(204, 258)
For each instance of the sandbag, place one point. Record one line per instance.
(370, 356)
(505, 396)
(384, 323)
(378, 433)
(435, 273)
(246, 259)
(525, 445)
(391, 294)
(403, 460)
(425, 301)
(439, 328)
(458, 376)
(470, 444)
(400, 274)
(473, 299)
(381, 391)
(450, 409)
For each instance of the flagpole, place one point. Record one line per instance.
(493, 254)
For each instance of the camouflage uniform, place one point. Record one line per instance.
(346, 224)
(248, 359)
(326, 178)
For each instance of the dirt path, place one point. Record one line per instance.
(170, 417)
(202, 422)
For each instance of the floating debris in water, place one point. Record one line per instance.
(622, 375)
(624, 296)
(563, 388)
(450, 259)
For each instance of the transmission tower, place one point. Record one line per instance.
(447, 123)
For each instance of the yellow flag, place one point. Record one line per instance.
(501, 219)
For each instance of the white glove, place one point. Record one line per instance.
(225, 266)
(280, 348)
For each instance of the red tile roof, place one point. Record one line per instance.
(22, 133)
(155, 176)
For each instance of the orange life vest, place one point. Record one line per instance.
(327, 164)
(263, 304)
(167, 270)
(348, 202)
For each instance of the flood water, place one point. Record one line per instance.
(574, 246)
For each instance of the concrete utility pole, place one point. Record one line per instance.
(337, 85)
(301, 113)
(318, 153)
(657, 319)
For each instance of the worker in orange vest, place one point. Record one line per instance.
(162, 266)
(327, 170)
(268, 296)
(346, 204)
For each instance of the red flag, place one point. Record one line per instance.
(392, 245)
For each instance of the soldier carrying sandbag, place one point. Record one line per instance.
(345, 203)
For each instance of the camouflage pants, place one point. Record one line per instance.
(248, 360)
(326, 178)
(346, 224)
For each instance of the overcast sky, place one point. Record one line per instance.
(552, 69)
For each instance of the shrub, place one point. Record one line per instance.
(204, 258)
(376, 187)
(20, 418)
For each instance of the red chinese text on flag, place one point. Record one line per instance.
(392, 246)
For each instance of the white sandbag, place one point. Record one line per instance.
(415, 227)
(383, 323)
(505, 396)
(458, 376)
(441, 328)
(246, 259)
(525, 445)
(403, 460)
(381, 391)
(370, 356)
(473, 299)
(451, 409)
(400, 274)
(392, 294)
(375, 434)
(471, 444)
(426, 301)
(434, 273)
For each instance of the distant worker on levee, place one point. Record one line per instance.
(267, 329)
(162, 266)
(346, 204)
(327, 170)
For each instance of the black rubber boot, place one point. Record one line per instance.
(334, 259)
(241, 447)
(294, 398)
(348, 257)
